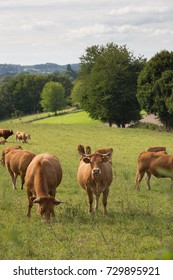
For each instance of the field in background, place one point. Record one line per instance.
(139, 225)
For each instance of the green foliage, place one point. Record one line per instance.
(52, 96)
(107, 84)
(155, 87)
(20, 95)
(139, 225)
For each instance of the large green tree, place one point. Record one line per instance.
(53, 97)
(107, 84)
(155, 87)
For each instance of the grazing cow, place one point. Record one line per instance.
(95, 176)
(157, 164)
(3, 142)
(43, 176)
(24, 137)
(16, 162)
(6, 150)
(5, 133)
(157, 149)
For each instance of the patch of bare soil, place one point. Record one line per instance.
(151, 119)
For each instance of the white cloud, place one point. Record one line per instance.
(60, 30)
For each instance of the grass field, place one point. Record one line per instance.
(139, 225)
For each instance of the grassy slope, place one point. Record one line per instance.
(138, 224)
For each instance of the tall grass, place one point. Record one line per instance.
(139, 225)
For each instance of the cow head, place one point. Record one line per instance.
(46, 206)
(11, 132)
(96, 160)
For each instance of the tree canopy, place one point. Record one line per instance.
(53, 97)
(155, 87)
(107, 84)
(20, 95)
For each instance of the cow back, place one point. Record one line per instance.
(18, 160)
(44, 174)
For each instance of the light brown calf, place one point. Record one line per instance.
(22, 136)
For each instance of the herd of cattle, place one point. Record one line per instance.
(42, 173)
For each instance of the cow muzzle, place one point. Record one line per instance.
(96, 172)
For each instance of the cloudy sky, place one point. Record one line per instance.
(59, 31)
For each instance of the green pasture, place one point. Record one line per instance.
(139, 225)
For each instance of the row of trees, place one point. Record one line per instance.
(112, 86)
(22, 94)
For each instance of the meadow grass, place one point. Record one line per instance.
(139, 225)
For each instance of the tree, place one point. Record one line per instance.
(52, 96)
(155, 87)
(108, 84)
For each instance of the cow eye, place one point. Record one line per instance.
(42, 210)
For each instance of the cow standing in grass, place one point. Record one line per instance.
(157, 164)
(5, 133)
(95, 176)
(16, 162)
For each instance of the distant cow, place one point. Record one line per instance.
(6, 150)
(5, 133)
(43, 176)
(23, 136)
(157, 149)
(157, 164)
(3, 142)
(16, 162)
(95, 176)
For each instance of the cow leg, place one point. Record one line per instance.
(139, 176)
(90, 198)
(148, 177)
(171, 183)
(14, 180)
(97, 202)
(13, 176)
(22, 181)
(30, 203)
(105, 196)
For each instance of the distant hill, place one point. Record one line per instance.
(13, 69)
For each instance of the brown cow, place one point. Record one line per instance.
(157, 164)
(157, 149)
(3, 142)
(43, 176)
(23, 136)
(95, 176)
(5, 133)
(16, 162)
(6, 150)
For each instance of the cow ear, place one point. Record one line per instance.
(32, 198)
(86, 160)
(56, 202)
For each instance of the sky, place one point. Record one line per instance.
(60, 31)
